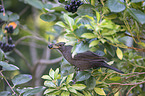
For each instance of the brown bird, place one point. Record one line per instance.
(83, 61)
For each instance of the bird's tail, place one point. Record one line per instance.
(113, 68)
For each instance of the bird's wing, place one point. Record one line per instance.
(88, 55)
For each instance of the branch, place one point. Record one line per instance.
(23, 57)
(126, 83)
(8, 83)
(47, 62)
(34, 37)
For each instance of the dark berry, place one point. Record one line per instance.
(1, 8)
(73, 6)
(10, 29)
(6, 28)
(5, 48)
(10, 41)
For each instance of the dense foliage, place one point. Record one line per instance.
(111, 28)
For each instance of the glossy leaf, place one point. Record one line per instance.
(5, 18)
(91, 83)
(51, 73)
(116, 78)
(20, 79)
(32, 91)
(49, 90)
(46, 77)
(1, 54)
(116, 5)
(86, 93)
(56, 73)
(137, 14)
(72, 90)
(61, 24)
(14, 17)
(88, 35)
(48, 17)
(49, 84)
(86, 9)
(8, 67)
(119, 53)
(65, 93)
(35, 3)
(82, 75)
(79, 86)
(69, 78)
(69, 21)
(94, 43)
(99, 91)
(5, 93)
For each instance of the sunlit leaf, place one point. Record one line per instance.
(94, 43)
(116, 78)
(51, 73)
(89, 35)
(65, 93)
(99, 91)
(79, 86)
(69, 78)
(46, 77)
(119, 53)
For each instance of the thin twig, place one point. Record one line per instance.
(130, 90)
(8, 83)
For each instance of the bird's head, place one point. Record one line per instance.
(56, 46)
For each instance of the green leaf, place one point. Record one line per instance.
(142, 44)
(46, 77)
(20, 79)
(35, 3)
(5, 93)
(116, 5)
(4, 18)
(14, 17)
(1, 54)
(83, 75)
(69, 78)
(137, 14)
(116, 78)
(8, 67)
(69, 21)
(91, 83)
(79, 86)
(49, 84)
(110, 49)
(72, 90)
(80, 48)
(48, 17)
(94, 43)
(119, 53)
(16, 31)
(99, 91)
(86, 9)
(98, 16)
(86, 93)
(56, 73)
(89, 35)
(51, 73)
(65, 93)
(135, 1)
(49, 90)
(61, 24)
(32, 91)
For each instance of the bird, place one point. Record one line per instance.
(83, 61)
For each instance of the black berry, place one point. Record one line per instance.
(10, 41)
(9, 29)
(73, 6)
(1, 8)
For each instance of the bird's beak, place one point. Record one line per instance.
(53, 46)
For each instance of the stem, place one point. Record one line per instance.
(8, 83)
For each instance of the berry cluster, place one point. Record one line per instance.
(73, 6)
(6, 47)
(9, 29)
